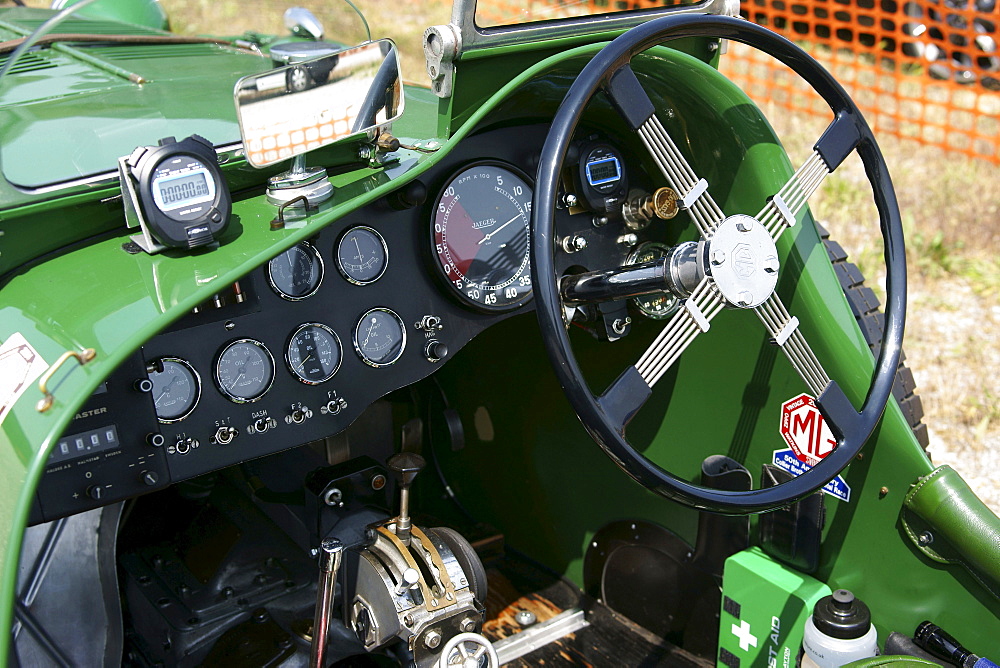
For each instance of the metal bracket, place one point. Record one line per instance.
(133, 212)
(442, 46)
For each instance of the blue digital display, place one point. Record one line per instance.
(603, 171)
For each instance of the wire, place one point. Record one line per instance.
(368, 30)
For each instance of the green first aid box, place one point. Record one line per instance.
(764, 610)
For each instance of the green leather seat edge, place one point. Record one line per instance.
(948, 523)
(894, 661)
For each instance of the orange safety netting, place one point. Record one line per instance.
(919, 69)
(923, 70)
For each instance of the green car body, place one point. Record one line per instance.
(67, 284)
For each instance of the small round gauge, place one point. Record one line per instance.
(244, 370)
(380, 337)
(362, 255)
(481, 232)
(176, 389)
(657, 306)
(313, 354)
(296, 273)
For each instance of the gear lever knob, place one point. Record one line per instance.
(405, 466)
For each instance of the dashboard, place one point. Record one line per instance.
(296, 350)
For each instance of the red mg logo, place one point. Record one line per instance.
(805, 430)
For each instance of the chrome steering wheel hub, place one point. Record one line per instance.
(743, 261)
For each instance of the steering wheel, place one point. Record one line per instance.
(734, 264)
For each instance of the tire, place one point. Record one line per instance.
(865, 306)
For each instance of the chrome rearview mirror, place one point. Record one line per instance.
(313, 102)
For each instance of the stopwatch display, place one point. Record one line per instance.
(244, 370)
(313, 354)
(379, 337)
(656, 306)
(362, 255)
(176, 389)
(480, 232)
(182, 192)
(296, 273)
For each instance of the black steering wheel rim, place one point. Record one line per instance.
(848, 132)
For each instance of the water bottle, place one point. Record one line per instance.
(838, 631)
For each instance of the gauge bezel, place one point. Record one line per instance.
(455, 292)
(322, 273)
(633, 259)
(340, 265)
(357, 346)
(197, 389)
(218, 381)
(288, 345)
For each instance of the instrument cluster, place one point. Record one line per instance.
(298, 348)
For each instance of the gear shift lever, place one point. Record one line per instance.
(405, 466)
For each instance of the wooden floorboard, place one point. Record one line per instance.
(610, 640)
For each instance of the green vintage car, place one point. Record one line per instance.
(304, 366)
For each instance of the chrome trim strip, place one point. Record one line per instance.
(514, 647)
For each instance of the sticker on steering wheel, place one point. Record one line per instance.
(805, 430)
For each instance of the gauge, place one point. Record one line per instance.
(601, 177)
(176, 388)
(655, 306)
(379, 337)
(296, 273)
(362, 255)
(244, 370)
(182, 192)
(481, 234)
(313, 354)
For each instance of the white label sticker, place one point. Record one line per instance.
(20, 365)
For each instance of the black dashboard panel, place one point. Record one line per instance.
(219, 432)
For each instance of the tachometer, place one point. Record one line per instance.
(481, 232)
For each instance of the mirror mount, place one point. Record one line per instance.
(319, 94)
(300, 181)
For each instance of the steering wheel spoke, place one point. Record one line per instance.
(785, 332)
(693, 318)
(637, 109)
(782, 209)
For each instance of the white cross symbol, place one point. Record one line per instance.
(742, 633)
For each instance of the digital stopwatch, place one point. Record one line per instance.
(183, 194)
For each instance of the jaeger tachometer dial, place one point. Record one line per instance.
(481, 233)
